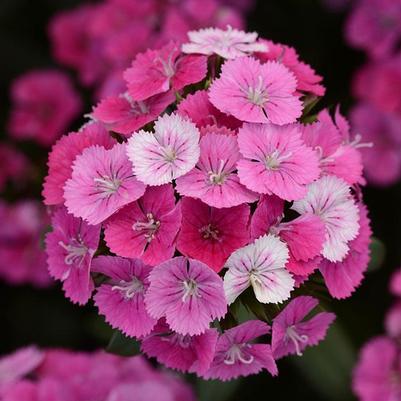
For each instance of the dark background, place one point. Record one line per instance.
(46, 318)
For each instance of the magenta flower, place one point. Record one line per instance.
(330, 199)
(44, 105)
(121, 298)
(230, 43)
(13, 165)
(392, 321)
(70, 248)
(395, 283)
(185, 353)
(211, 235)
(255, 92)
(304, 235)
(237, 356)
(214, 179)
(158, 71)
(187, 293)
(124, 115)
(62, 155)
(376, 376)
(260, 265)
(146, 229)
(292, 332)
(101, 183)
(342, 278)
(276, 160)
(169, 153)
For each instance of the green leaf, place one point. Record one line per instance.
(122, 345)
(215, 390)
(377, 254)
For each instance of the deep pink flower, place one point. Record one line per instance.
(307, 79)
(342, 278)
(187, 293)
(236, 355)
(292, 331)
(214, 179)
(169, 153)
(393, 321)
(260, 265)
(276, 160)
(330, 199)
(124, 115)
(185, 353)
(376, 376)
(230, 43)
(44, 105)
(211, 235)
(70, 248)
(158, 71)
(395, 283)
(146, 229)
(62, 155)
(255, 92)
(101, 183)
(121, 298)
(13, 165)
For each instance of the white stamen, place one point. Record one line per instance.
(292, 334)
(107, 185)
(129, 288)
(76, 251)
(190, 289)
(218, 177)
(236, 354)
(149, 227)
(257, 95)
(273, 161)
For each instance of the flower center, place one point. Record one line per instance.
(107, 185)
(169, 154)
(190, 289)
(236, 354)
(168, 66)
(257, 95)
(218, 177)
(137, 107)
(129, 288)
(210, 232)
(297, 340)
(149, 227)
(274, 159)
(76, 251)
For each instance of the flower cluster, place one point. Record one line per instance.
(199, 192)
(375, 27)
(55, 374)
(377, 375)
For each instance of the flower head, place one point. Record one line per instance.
(187, 293)
(255, 92)
(260, 265)
(169, 153)
(101, 183)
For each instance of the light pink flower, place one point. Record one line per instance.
(330, 199)
(292, 331)
(169, 153)
(147, 228)
(260, 265)
(124, 115)
(255, 92)
(211, 235)
(187, 293)
(237, 356)
(62, 155)
(121, 298)
(70, 248)
(214, 179)
(185, 353)
(44, 105)
(230, 43)
(276, 160)
(101, 183)
(158, 71)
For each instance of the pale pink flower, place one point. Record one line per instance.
(293, 330)
(214, 179)
(158, 71)
(187, 293)
(260, 265)
(237, 355)
(121, 298)
(70, 248)
(255, 92)
(146, 229)
(169, 153)
(275, 160)
(101, 183)
(229, 43)
(331, 200)
(210, 234)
